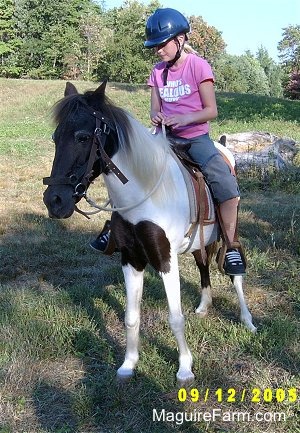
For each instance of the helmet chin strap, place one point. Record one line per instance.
(171, 62)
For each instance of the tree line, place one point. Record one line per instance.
(82, 39)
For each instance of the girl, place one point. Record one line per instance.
(183, 99)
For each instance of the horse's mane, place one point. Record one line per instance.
(69, 106)
(144, 153)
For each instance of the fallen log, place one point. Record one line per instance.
(260, 150)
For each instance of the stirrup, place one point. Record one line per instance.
(221, 255)
(233, 264)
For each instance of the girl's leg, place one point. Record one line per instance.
(228, 210)
(225, 191)
(233, 264)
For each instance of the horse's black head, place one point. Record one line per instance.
(77, 161)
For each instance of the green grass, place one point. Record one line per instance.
(62, 334)
(239, 112)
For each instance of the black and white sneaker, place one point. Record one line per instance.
(101, 242)
(233, 263)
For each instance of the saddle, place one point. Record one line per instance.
(203, 208)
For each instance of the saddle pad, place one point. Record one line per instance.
(192, 187)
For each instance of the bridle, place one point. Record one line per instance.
(85, 175)
(81, 181)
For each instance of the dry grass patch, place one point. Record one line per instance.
(35, 395)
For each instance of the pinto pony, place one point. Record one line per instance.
(151, 206)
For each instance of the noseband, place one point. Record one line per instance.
(81, 181)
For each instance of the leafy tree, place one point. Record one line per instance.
(293, 87)
(241, 74)
(272, 70)
(289, 48)
(205, 39)
(227, 75)
(9, 42)
(6, 27)
(96, 37)
(254, 74)
(50, 35)
(127, 60)
(265, 61)
(61, 53)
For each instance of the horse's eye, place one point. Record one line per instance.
(81, 137)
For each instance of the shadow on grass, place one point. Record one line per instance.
(54, 408)
(43, 261)
(45, 251)
(274, 221)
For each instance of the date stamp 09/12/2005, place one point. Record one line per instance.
(232, 396)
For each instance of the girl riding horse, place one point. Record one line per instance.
(183, 99)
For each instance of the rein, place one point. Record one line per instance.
(124, 208)
(105, 207)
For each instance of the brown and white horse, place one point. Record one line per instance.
(151, 218)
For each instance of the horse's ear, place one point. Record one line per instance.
(70, 89)
(101, 89)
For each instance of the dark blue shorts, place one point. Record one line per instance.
(216, 171)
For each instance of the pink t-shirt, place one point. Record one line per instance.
(181, 94)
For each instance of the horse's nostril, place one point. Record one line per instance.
(56, 200)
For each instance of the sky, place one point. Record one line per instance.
(245, 24)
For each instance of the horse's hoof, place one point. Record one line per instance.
(247, 321)
(251, 328)
(124, 374)
(184, 379)
(201, 313)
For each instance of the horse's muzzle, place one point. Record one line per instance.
(59, 201)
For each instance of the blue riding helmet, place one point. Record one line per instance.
(163, 25)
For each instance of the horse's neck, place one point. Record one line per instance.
(123, 194)
(163, 192)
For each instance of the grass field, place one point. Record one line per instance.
(62, 331)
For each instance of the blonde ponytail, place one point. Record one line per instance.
(188, 49)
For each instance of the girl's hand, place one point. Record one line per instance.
(177, 120)
(157, 119)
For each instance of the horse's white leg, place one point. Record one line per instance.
(246, 317)
(177, 321)
(134, 290)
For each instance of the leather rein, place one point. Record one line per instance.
(81, 181)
